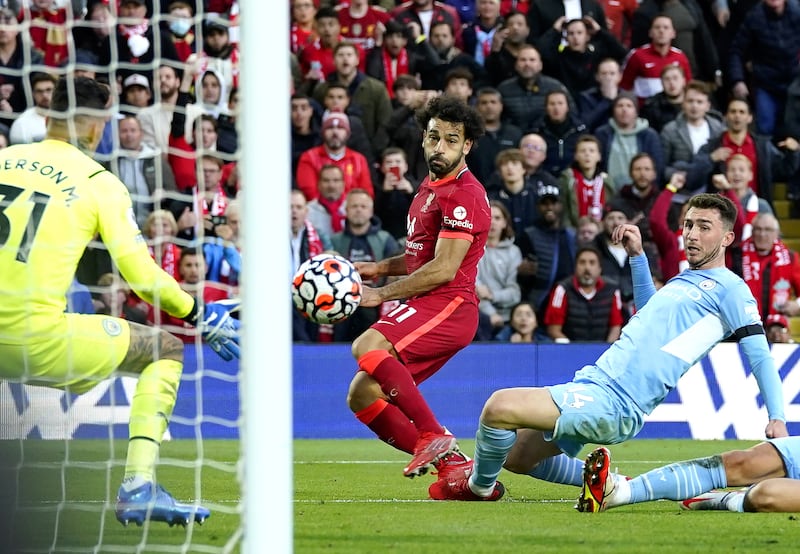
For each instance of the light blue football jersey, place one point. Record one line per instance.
(677, 327)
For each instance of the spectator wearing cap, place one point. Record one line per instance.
(135, 39)
(219, 54)
(777, 328)
(337, 99)
(548, 250)
(14, 67)
(584, 307)
(625, 135)
(31, 125)
(136, 93)
(48, 29)
(771, 269)
(181, 28)
(333, 150)
(368, 96)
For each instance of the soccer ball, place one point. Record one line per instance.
(326, 289)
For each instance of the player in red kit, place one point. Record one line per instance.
(447, 225)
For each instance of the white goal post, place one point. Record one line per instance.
(266, 375)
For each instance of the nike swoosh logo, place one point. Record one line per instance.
(384, 322)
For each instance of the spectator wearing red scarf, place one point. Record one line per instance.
(771, 269)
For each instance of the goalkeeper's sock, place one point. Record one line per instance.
(390, 424)
(492, 446)
(396, 382)
(679, 480)
(561, 469)
(151, 409)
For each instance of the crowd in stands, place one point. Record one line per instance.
(173, 69)
(597, 112)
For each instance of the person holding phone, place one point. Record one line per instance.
(395, 193)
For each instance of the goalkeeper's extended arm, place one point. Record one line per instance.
(218, 329)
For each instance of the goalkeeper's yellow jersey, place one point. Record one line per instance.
(53, 200)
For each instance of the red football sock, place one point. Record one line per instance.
(390, 424)
(397, 384)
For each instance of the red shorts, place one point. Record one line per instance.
(428, 331)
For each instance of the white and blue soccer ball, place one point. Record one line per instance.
(326, 289)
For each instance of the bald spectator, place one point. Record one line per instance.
(771, 269)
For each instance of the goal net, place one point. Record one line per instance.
(62, 455)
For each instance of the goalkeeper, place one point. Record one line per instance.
(53, 200)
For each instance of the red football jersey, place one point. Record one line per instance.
(451, 208)
(361, 31)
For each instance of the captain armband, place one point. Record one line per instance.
(747, 331)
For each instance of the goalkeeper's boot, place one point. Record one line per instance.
(599, 484)
(430, 448)
(459, 490)
(713, 500)
(453, 467)
(153, 502)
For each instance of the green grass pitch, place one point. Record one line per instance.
(351, 497)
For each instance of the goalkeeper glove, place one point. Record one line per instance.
(219, 330)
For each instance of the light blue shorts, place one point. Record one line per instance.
(789, 450)
(592, 412)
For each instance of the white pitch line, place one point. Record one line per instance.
(421, 500)
(370, 462)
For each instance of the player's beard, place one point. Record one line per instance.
(710, 256)
(442, 168)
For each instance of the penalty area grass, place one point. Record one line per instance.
(351, 497)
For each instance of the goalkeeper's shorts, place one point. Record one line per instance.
(76, 352)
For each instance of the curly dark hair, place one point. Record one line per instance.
(452, 110)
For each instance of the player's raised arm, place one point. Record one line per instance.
(631, 238)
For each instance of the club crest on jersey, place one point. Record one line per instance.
(428, 202)
(112, 327)
(708, 284)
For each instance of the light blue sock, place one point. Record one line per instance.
(561, 469)
(491, 449)
(679, 480)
